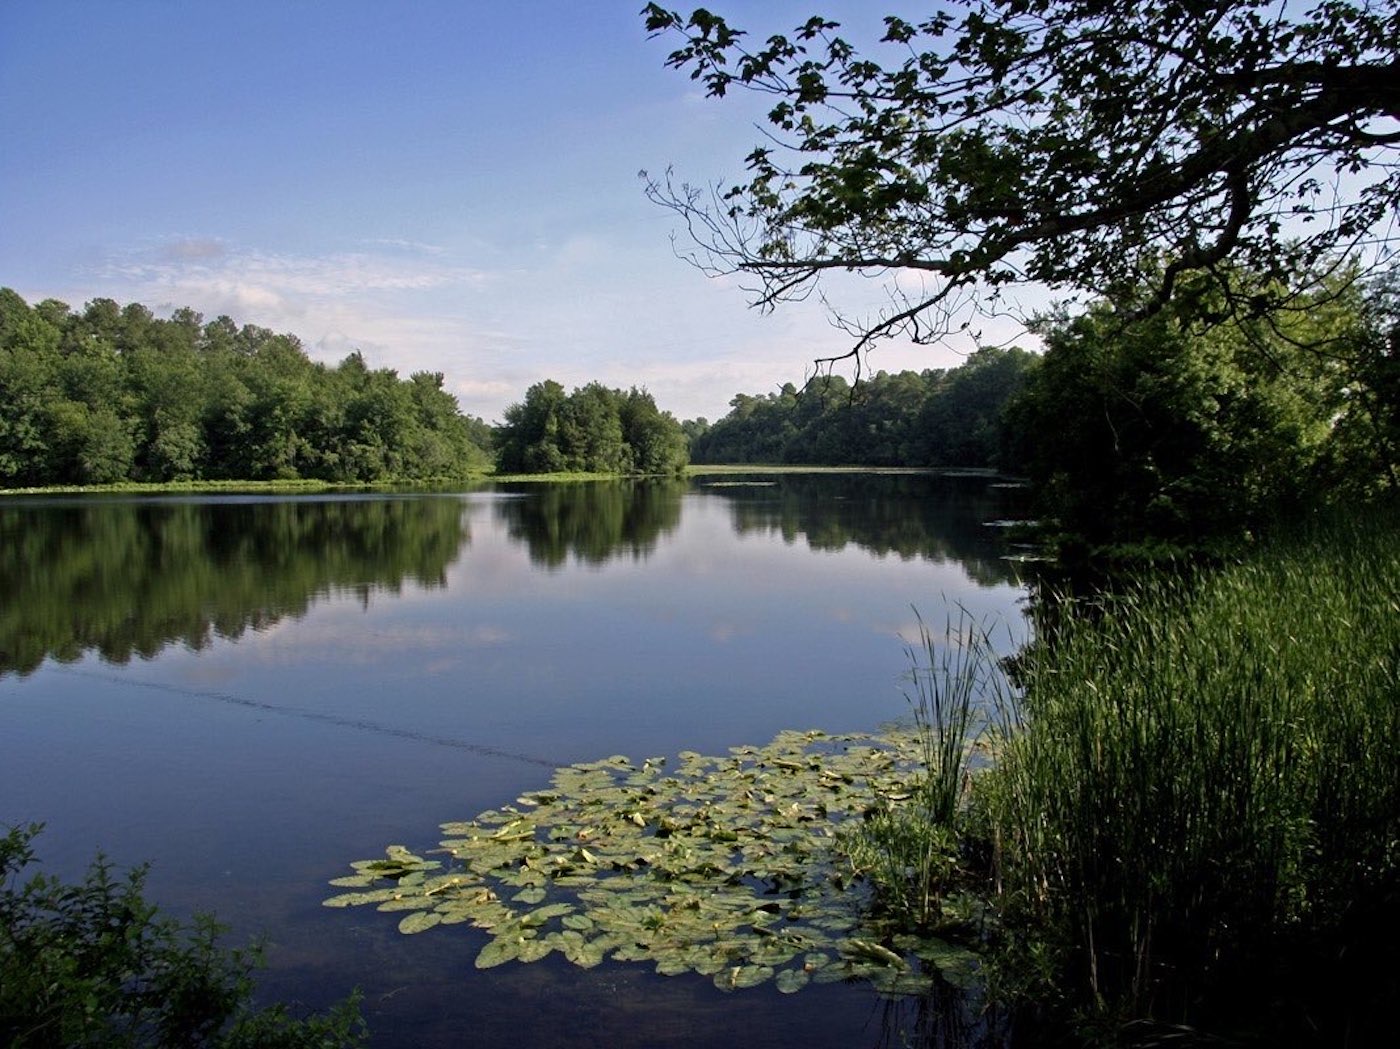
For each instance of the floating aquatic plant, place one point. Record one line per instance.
(729, 867)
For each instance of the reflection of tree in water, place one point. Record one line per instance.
(594, 521)
(947, 1017)
(129, 578)
(935, 517)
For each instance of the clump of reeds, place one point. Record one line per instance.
(1207, 763)
(912, 851)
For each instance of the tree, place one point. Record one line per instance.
(114, 394)
(1159, 430)
(963, 424)
(1075, 144)
(592, 430)
(527, 442)
(658, 443)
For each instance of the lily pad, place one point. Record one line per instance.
(728, 867)
(420, 921)
(790, 981)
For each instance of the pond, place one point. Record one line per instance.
(251, 692)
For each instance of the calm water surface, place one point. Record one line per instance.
(251, 692)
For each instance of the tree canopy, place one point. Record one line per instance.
(592, 430)
(1165, 430)
(934, 418)
(114, 393)
(1093, 147)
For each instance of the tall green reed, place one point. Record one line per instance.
(1207, 763)
(912, 852)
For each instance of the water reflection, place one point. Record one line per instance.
(570, 622)
(592, 521)
(127, 578)
(936, 517)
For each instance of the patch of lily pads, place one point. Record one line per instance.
(730, 867)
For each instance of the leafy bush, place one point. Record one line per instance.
(94, 964)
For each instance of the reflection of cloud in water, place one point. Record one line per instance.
(722, 633)
(332, 640)
(490, 635)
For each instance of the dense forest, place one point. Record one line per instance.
(936, 417)
(1188, 426)
(1195, 424)
(113, 393)
(592, 430)
(1202, 423)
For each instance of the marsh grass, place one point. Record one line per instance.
(911, 849)
(1205, 768)
(1194, 793)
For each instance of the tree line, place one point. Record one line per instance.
(113, 393)
(936, 418)
(1186, 426)
(592, 430)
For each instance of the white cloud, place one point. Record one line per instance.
(581, 306)
(207, 267)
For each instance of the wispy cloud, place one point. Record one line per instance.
(206, 267)
(581, 307)
(407, 304)
(193, 249)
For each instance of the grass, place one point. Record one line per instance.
(312, 485)
(1196, 790)
(911, 851)
(306, 485)
(298, 486)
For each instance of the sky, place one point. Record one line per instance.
(444, 186)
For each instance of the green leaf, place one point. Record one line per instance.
(792, 980)
(419, 921)
(499, 951)
(356, 899)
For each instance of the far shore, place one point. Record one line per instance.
(312, 485)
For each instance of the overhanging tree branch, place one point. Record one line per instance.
(1073, 144)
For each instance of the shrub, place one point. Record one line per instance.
(95, 964)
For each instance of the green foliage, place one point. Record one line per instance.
(113, 394)
(592, 430)
(1198, 790)
(729, 867)
(94, 964)
(1364, 453)
(938, 418)
(151, 573)
(1178, 430)
(1051, 141)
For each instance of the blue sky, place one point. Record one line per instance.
(448, 186)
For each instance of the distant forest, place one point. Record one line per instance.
(936, 417)
(113, 393)
(592, 430)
